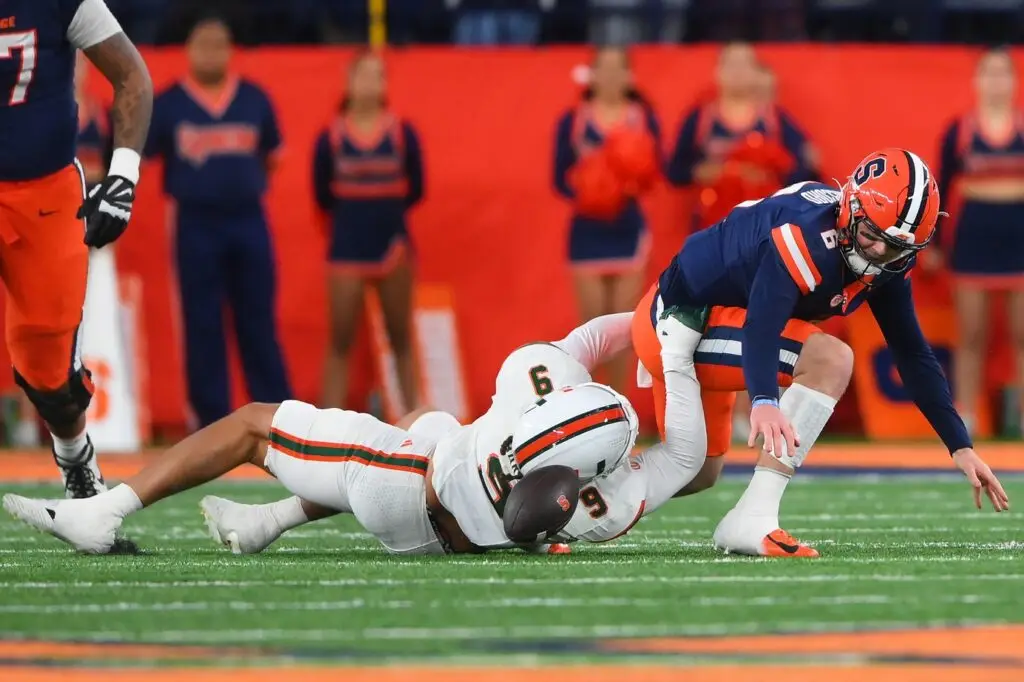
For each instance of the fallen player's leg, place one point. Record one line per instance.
(338, 460)
(251, 528)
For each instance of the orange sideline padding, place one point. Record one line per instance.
(491, 225)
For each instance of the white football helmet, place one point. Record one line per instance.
(589, 427)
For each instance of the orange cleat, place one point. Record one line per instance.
(779, 543)
(559, 549)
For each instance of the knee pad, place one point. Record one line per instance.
(62, 406)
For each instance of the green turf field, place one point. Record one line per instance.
(896, 552)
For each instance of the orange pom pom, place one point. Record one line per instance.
(633, 155)
(599, 192)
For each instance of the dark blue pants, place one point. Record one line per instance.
(226, 258)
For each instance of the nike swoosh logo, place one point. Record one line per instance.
(43, 214)
(788, 548)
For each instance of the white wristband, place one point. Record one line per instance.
(125, 162)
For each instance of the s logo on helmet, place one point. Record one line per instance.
(563, 503)
(875, 168)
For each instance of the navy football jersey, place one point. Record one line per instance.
(38, 114)
(797, 227)
(214, 152)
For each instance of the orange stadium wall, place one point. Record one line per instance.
(491, 226)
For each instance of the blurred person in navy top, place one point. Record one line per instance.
(607, 254)
(712, 130)
(983, 155)
(217, 135)
(367, 174)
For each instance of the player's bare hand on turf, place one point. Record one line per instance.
(767, 420)
(107, 210)
(980, 476)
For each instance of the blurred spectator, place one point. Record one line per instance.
(367, 173)
(747, 20)
(217, 135)
(497, 22)
(608, 245)
(983, 154)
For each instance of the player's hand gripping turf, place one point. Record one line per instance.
(980, 476)
(107, 210)
(767, 420)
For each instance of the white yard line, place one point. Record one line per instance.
(526, 582)
(532, 632)
(492, 604)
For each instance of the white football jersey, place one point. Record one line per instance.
(471, 475)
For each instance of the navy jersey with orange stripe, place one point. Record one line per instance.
(779, 258)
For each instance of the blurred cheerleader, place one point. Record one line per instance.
(367, 173)
(607, 153)
(739, 145)
(983, 153)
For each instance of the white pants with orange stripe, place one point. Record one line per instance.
(354, 463)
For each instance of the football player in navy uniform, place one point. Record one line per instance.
(810, 252)
(44, 257)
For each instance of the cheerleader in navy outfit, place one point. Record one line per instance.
(608, 257)
(367, 173)
(711, 129)
(983, 153)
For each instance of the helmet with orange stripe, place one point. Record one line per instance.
(887, 212)
(589, 428)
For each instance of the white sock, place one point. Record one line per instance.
(764, 493)
(70, 451)
(122, 499)
(287, 513)
(808, 411)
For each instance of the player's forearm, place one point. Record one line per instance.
(597, 340)
(123, 66)
(925, 382)
(673, 464)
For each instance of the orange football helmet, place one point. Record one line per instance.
(894, 198)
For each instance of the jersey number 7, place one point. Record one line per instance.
(25, 43)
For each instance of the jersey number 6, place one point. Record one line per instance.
(25, 41)
(541, 383)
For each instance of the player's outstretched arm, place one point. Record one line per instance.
(596, 341)
(95, 31)
(893, 308)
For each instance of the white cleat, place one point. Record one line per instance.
(86, 525)
(244, 528)
(741, 532)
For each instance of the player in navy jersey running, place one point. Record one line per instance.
(807, 253)
(44, 243)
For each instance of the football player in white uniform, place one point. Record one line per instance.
(419, 495)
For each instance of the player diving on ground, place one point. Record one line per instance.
(418, 494)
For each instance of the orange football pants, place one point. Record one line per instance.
(718, 362)
(44, 265)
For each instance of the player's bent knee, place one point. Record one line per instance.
(827, 357)
(257, 418)
(60, 407)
